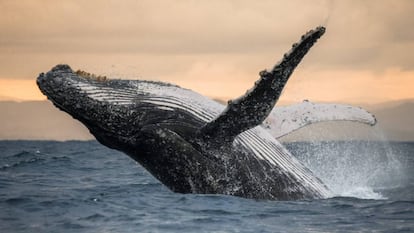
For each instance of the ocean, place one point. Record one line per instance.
(82, 186)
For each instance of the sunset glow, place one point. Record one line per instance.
(19, 90)
(324, 86)
(216, 48)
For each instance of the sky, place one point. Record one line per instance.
(214, 47)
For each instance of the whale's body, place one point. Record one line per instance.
(189, 142)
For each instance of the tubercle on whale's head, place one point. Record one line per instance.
(63, 74)
(68, 90)
(60, 84)
(54, 84)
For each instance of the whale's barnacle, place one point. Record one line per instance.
(90, 76)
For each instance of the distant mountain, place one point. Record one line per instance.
(397, 120)
(38, 120)
(41, 120)
(8, 98)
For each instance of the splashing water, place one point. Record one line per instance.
(353, 168)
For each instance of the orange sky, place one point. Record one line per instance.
(214, 47)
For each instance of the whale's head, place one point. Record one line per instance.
(71, 91)
(153, 122)
(117, 112)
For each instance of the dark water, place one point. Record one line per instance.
(85, 187)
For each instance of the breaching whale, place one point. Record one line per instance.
(193, 144)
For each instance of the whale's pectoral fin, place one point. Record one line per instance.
(252, 108)
(284, 120)
(177, 162)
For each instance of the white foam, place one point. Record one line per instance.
(353, 168)
(361, 193)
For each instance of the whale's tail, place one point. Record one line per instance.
(252, 108)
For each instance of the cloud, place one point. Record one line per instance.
(190, 42)
(357, 30)
(153, 26)
(350, 86)
(370, 35)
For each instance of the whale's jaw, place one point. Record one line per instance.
(66, 90)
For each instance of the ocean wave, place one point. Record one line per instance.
(56, 190)
(23, 154)
(17, 200)
(15, 164)
(362, 193)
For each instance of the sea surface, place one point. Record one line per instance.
(75, 186)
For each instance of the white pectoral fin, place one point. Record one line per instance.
(284, 120)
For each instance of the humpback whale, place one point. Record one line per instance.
(193, 144)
